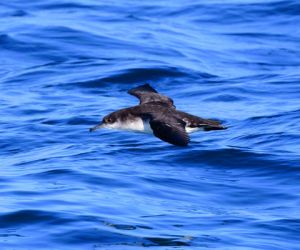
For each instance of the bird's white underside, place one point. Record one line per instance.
(139, 125)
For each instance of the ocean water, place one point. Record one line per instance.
(66, 64)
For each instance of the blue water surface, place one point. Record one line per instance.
(67, 63)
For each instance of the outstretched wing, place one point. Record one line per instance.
(145, 93)
(171, 131)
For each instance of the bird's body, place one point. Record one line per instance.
(156, 114)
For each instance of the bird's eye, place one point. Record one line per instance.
(108, 120)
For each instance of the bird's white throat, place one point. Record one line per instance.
(136, 125)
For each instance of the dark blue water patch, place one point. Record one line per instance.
(21, 218)
(224, 98)
(70, 121)
(134, 76)
(14, 13)
(69, 6)
(29, 48)
(138, 75)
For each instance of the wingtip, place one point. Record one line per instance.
(182, 145)
(145, 87)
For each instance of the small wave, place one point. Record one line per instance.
(138, 75)
(15, 13)
(234, 158)
(145, 74)
(30, 217)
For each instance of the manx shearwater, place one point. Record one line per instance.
(157, 114)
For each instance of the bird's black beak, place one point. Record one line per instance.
(92, 129)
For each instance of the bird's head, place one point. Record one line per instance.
(110, 121)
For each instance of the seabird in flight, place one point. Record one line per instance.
(157, 114)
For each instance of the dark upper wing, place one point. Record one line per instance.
(171, 131)
(147, 94)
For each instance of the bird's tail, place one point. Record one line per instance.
(214, 127)
(209, 125)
